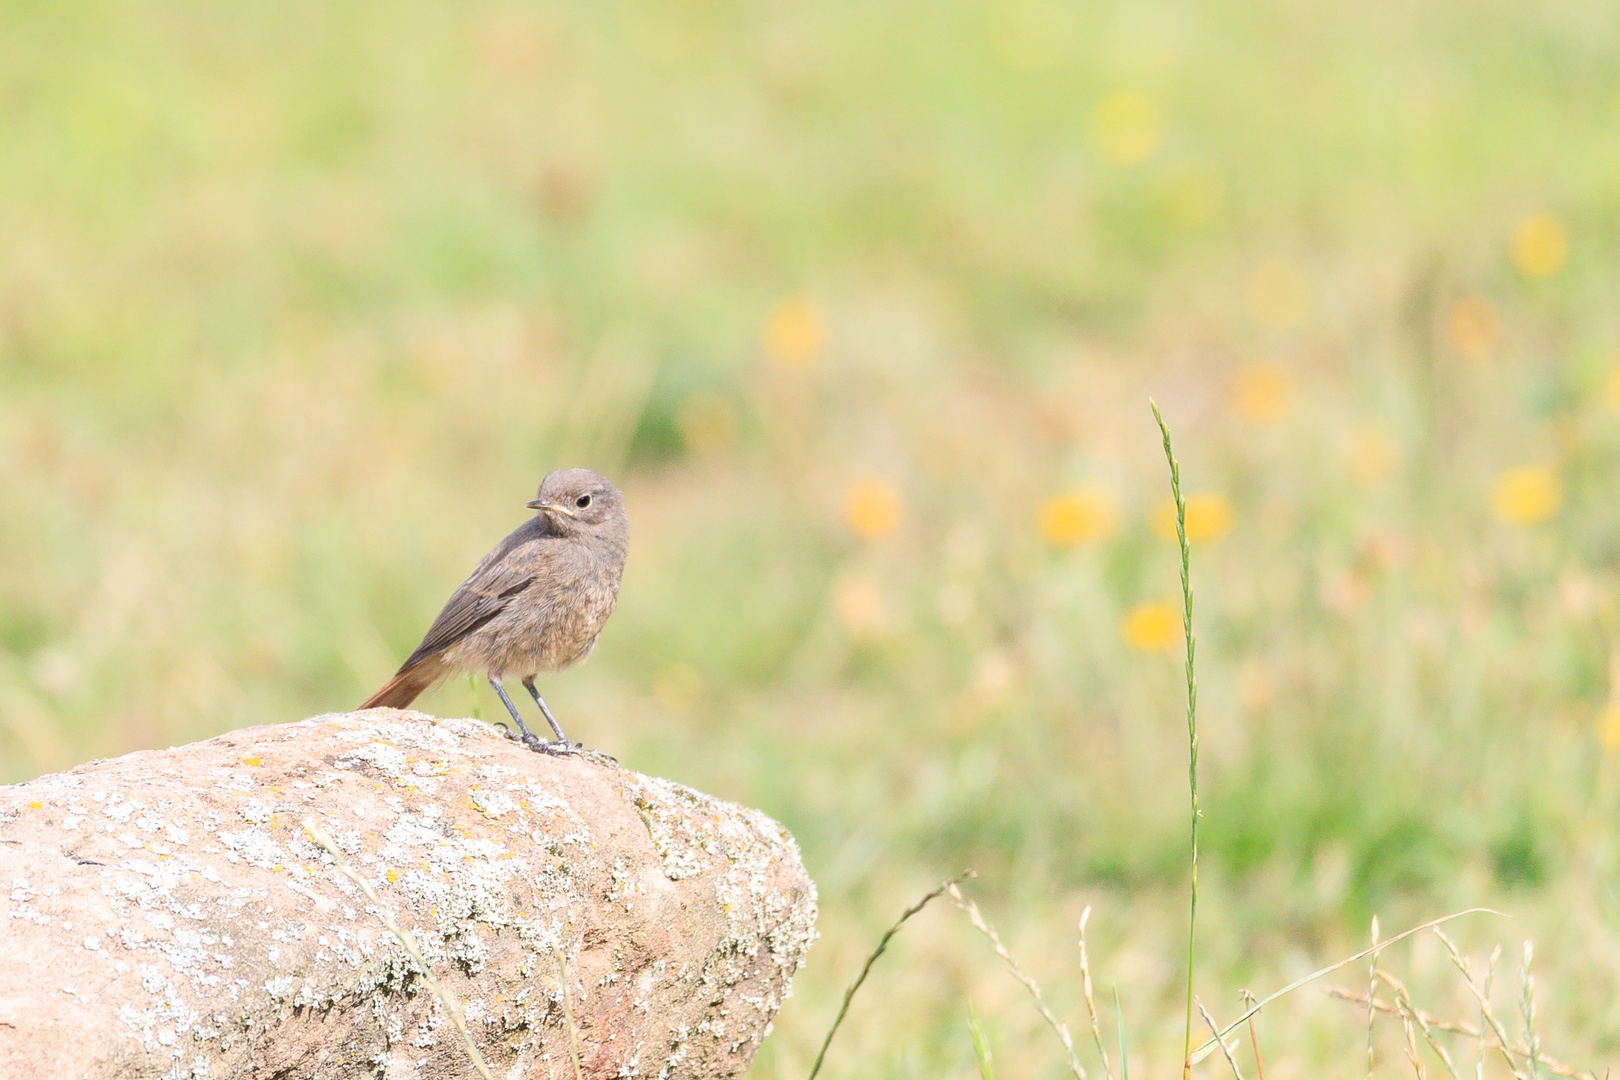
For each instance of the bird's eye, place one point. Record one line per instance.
(583, 501)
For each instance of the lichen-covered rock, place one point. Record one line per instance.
(168, 915)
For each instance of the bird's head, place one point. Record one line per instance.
(579, 501)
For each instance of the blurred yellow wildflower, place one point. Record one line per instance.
(872, 508)
(1074, 517)
(706, 422)
(1276, 294)
(1540, 246)
(1609, 727)
(794, 333)
(860, 607)
(1125, 128)
(1150, 627)
(1261, 393)
(1611, 390)
(677, 687)
(1372, 455)
(1209, 517)
(1527, 495)
(1472, 327)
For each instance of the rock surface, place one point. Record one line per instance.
(168, 915)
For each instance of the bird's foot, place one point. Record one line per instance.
(557, 746)
(565, 748)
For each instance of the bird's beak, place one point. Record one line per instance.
(538, 504)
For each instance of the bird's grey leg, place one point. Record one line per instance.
(529, 738)
(528, 684)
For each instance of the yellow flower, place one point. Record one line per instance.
(1276, 294)
(1526, 496)
(1609, 727)
(1125, 128)
(1540, 246)
(1372, 456)
(872, 508)
(1209, 517)
(1472, 327)
(678, 687)
(706, 422)
(1086, 513)
(1150, 627)
(860, 608)
(794, 333)
(1261, 393)
(1611, 391)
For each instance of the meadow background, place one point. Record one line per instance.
(862, 303)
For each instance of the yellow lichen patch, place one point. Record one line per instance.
(1149, 627)
(253, 761)
(1527, 495)
(36, 806)
(1075, 517)
(392, 875)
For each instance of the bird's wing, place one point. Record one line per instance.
(502, 574)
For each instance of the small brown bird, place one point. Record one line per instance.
(536, 603)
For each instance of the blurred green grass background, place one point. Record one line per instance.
(862, 303)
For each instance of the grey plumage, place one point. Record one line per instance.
(536, 603)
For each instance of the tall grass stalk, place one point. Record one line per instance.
(883, 944)
(1192, 724)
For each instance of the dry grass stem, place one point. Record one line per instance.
(1469, 1031)
(403, 936)
(1411, 1045)
(883, 944)
(1091, 1004)
(1372, 988)
(972, 911)
(1208, 1046)
(568, 1014)
(1254, 1036)
(1527, 1006)
(1490, 976)
(1403, 1000)
(1483, 996)
(1227, 1050)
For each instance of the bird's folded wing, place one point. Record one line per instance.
(479, 599)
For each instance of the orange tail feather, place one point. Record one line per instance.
(407, 686)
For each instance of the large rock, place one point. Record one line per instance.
(169, 916)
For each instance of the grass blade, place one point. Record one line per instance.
(1192, 721)
(981, 1045)
(1204, 1049)
(883, 943)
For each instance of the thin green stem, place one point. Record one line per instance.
(1192, 721)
